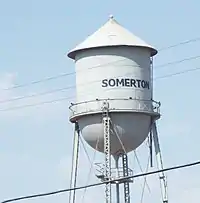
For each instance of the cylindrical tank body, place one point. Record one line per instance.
(122, 76)
(113, 72)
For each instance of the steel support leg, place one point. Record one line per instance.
(74, 162)
(162, 177)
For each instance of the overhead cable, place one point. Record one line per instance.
(102, 183)
(57, 76)
(177, 73)
(177, 62)
(179, 44)
(67, 74)
(71, 97)
(74, 86)
(38, 81)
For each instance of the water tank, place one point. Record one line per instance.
(113, 65)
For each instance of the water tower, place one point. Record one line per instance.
(114, 110)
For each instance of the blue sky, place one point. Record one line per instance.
(35, 143)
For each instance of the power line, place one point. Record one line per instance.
(37, 94)
(180, 44)
(101, 183)
(56, 76)
(72, 73)
(72, 97)
(62, 99)
(50, 91)
(73, 86)
(177, 62)
(52, 101)
(178, 73)
(36, 104)
(39, 81)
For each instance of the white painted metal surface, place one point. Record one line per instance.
(132, 129)
(120, 74)
(114, 67)
(111, 34)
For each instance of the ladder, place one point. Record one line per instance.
(125, 174)
(107, 168)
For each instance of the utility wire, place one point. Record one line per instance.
(74, 86)
(36, 104)
(179, 44)
(177, 73)
(177, 62)
(37, 94)
(53, 91)
(39, 81)
(58, 76)
(101, 183)
(61, 89)
(67, 74)
(71, 97)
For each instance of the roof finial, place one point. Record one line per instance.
(111, 16)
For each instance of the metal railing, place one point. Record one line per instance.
(115, 172)
(94, 106)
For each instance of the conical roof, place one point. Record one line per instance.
(111, 34)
